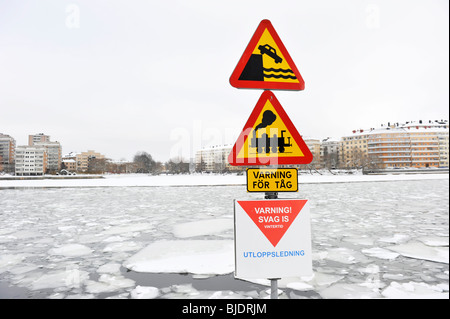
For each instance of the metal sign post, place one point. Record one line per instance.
(273, 281)
(274, 288)
(264, 248)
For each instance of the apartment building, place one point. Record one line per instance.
(314, 148)
(214, 159)
(329, 152)
(54, 155)
(414, 144)
(354, 149)
(7, 153)
(81, 160)
(429, 144)
(69, 164)
(38, 138)
(30, 160)
(443, 148)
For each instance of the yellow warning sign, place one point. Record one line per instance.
(266, 64)
(274, 66)
(269, 137)
(272, 180)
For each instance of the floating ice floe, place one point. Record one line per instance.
(111, 268)
(67, 279)
(419, 250)
(395, 239)
(141, 292)
(187, 291)
(349, 291)
(71, 250)
(380, 253)
(415, 290)
(122, 246)
(345, 255)
(114, 230)
(301, 286)
(185, 256)
(9, 260)
(438, 241)
(108, 283)
(203, 227)
(317, 281)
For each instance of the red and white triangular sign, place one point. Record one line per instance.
(273, 217)
(266, 64)
(269, 137)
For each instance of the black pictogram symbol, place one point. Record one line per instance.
(254, 69)
(268, 144)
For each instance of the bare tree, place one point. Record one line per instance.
(144, 162)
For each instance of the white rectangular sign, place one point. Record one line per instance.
(272, 238)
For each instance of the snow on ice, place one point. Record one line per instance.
(72, 239)
(203, 227)
(71, 250)
(187, 256)
(422, 251)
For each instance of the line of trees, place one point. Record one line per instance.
(142, 163)
(145, 163)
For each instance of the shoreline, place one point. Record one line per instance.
(198, 180)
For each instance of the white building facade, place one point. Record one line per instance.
(7, 153)
(214, 159)
(31, 160)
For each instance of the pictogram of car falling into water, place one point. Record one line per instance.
(267, 49)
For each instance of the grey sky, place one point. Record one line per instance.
(126, 76)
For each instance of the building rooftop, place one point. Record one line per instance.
(412, 126)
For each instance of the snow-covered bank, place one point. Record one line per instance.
(130, 180)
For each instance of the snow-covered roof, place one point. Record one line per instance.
(411, 127)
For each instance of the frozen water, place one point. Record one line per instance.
(435, 241)
(187, 256)
(66, 279)
(71, 250)
(415, 290)
(349, 291)
(370, 240)
(380, 253)
(122, 246)
(421, 251)
(108, 283)
(111, 268)
(141, 292)
(203, 227)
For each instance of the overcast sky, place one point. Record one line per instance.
(120, 77)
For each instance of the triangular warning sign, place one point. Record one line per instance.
(269, 137)
(266, 64)
(273, 217)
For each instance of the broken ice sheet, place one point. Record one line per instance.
(203, 227)
(348, 291)
(185, 256)
(419, 250)
(71, 250)
(380, 253)
(143, 292)
(67, 278)
(415, 290)
(108, 283)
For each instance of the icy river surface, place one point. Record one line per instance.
(369, 239)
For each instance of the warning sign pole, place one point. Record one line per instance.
(274, 288)
(269, 138)
(273, 281)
